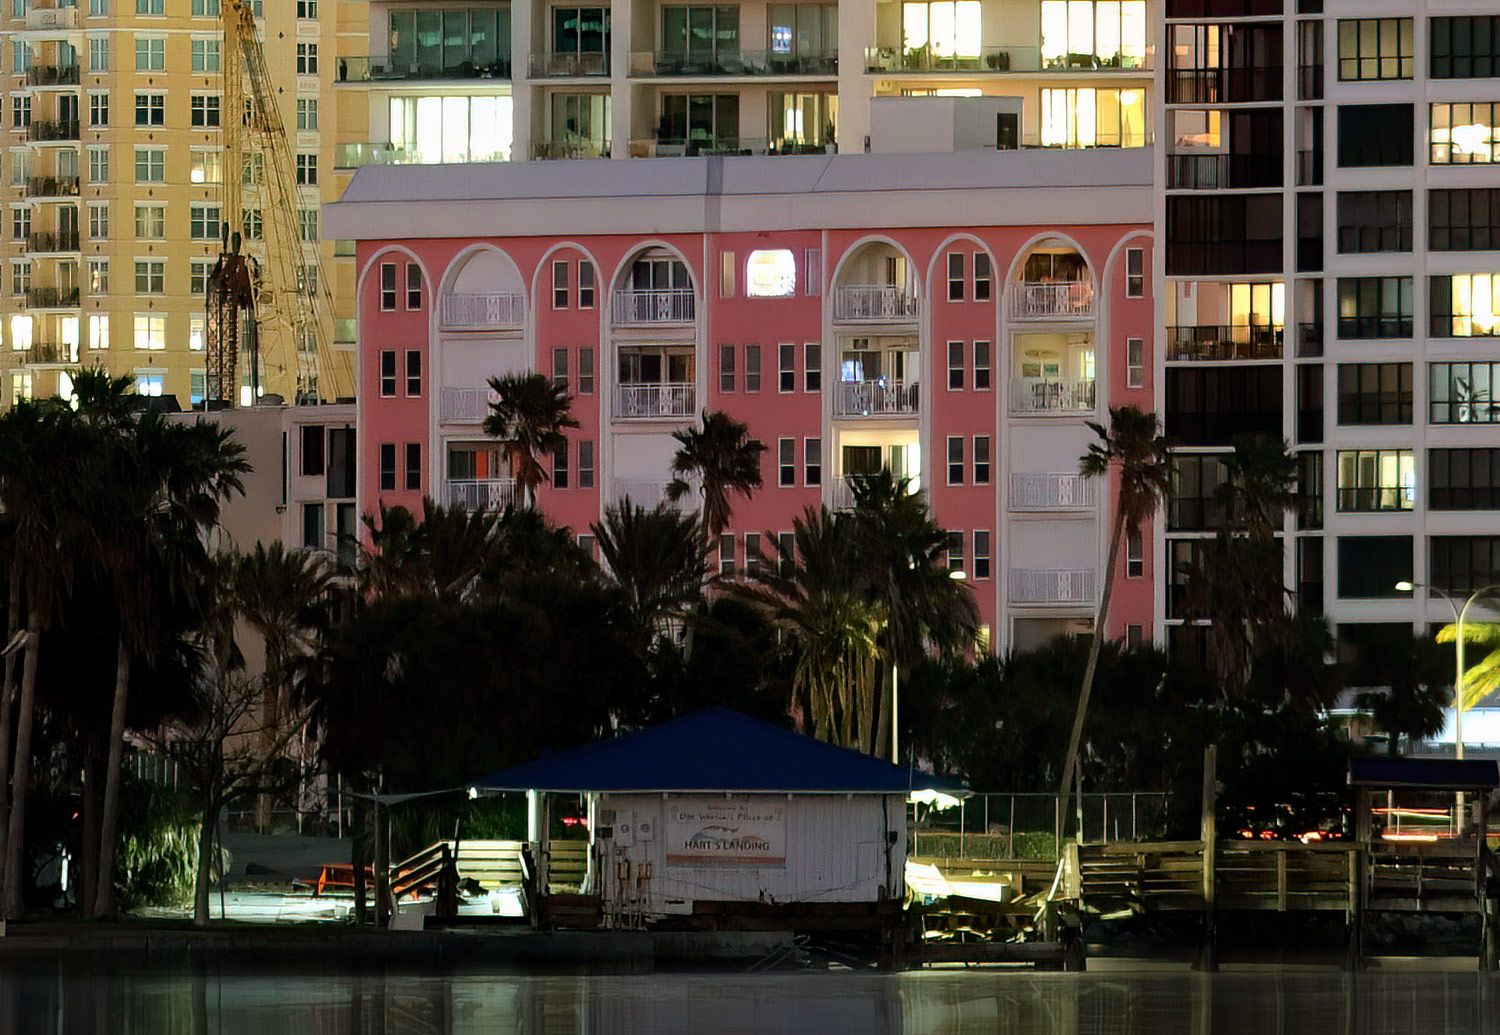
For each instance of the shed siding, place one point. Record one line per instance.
(835, 852)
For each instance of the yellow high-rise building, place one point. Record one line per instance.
(113, 173)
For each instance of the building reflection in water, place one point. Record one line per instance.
(76, 997)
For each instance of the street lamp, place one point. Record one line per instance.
(1460, 614)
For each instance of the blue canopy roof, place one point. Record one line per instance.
(714, 750)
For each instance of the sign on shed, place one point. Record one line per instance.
(712, 831)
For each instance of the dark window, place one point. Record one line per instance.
(1377, 48)
(1465, 48)
(560, 368)
(1221, 8)
(1223, 234)
(1309, 402)
(1375, 307)
(585, 371)
(1463, 220)
(955, 276)
(1310, 574)
(1209, 407)
(312, 449)
(413, 373)
(387, 286)
(414, 465)
(1309, 231)
(1135, 272)
(1376, 134)
(1463, 393)
(413, 286)
(388, 372)
(1310, 60)
(726, 368)
(341, 469)
(981, 555)
(1194, 504)
(752, 368)
(560, 467)
(981, 459)
(787, 355)
(1182, 556)
(1374, 221)
(1463, 563)
(560, 285)
(586, 464)
(955, 366)
(1463, 479)
(786, 461)
(955, 459)
(1212, 64)
(1309, 490)
(387, 466)
(312, 526)
(812, 367)
(981, 365)
(585, 284)
(812, 461)
(1463, 305)
(1371, 565)
(1375, 393)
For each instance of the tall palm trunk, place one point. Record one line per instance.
(203, 881)
(14, 888)
(1096, 642)
(8, 698)
(104, 896)
(883, 716)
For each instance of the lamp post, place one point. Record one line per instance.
(1460, 615)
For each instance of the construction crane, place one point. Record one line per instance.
(268, 298)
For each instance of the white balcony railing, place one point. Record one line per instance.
(873, 398)
(1051, 491)
(1051, 586)
(655, 400)
(645, 493)
(465, 404)
(483, 493)
(1051, 395)
(874, 302)
(483, 309)
(1068, 299)
(674, 305)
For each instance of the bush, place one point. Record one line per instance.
(157, 857)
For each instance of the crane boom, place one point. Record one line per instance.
(270, 301)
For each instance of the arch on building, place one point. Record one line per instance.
(934, 265)
(374, 263)
(864, 244)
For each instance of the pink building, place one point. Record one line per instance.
(957, 317)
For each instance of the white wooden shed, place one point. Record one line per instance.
(734, 822)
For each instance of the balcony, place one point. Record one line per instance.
(1051, 395)
(1051, 585)
(52, 187)
(51, 298)
(674, 65)
(470, 405)
(895, 60)
(569, 66)
(875, 398)
(644, 493)
(648, 401)
(43, 130)
(379, 67)
(552, 150)
(1375, 499)
(1310, 338)
(482, 310)
(1063, 300)
(874, 302)
(648, 306)
(52, 75)
(643, 147)
(482, 493)
(47, 352)
(1052, 491)
(47, 19)
(1211, 172)
(1237, 341)
(50, 241)
(1224, 85)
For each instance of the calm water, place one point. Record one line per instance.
(62, 1000)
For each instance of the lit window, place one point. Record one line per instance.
(770, 274)
(1376, 479)
(150, 332)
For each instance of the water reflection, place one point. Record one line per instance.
(72, 997)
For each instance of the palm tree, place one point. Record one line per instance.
(283, 595)
(170, 481)
(835, 626)
(724, 459)
(44, 471)
(656, 559)
(1133, 447)
(898, 563)
(528, 417)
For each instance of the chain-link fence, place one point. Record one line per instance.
(1031, 825)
